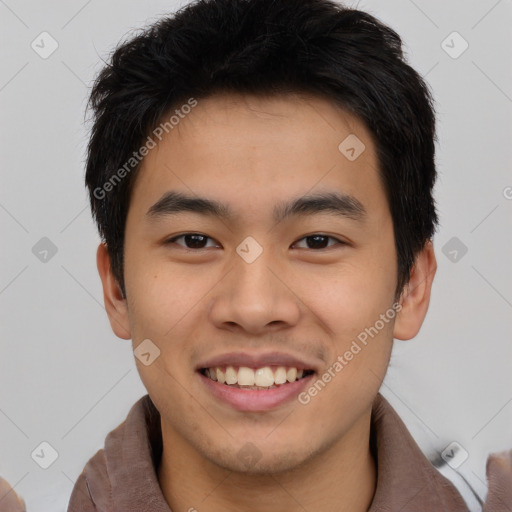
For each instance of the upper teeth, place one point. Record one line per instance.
(263, 377)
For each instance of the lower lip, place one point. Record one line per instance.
(256, 400)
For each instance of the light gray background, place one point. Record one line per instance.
(66, 379)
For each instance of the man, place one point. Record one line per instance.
(261, 173)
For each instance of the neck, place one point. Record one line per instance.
(341, 478)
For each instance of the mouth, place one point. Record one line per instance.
(261, 389)
(263, 378)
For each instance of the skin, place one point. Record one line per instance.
(9, 499)
(252, 153)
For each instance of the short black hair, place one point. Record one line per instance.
(265, 47)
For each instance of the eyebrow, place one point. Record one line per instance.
(343, 205)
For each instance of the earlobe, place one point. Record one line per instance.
(115, 303)
(415, 297)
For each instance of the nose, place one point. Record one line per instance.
(255, 298)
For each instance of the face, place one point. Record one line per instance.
(286, 264)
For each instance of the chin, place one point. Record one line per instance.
(250, 460)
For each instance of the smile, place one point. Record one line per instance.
(255, 389)
(243, 377)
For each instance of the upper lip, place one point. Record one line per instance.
(258, 360)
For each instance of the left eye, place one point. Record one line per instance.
(317, 241)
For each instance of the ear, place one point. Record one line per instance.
(115, 303)
(415, 296)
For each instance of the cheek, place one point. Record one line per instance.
(355, 304)
(350, 297)
(159, 295)
(162, 307)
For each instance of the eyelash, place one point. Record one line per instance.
(173, 240)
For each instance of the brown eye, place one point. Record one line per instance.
(192, 241)
(318, 241)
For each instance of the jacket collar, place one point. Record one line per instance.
(406, 480)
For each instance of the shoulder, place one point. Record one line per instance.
(499, 479)
(91, 491)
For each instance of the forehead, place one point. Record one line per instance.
(273, 120)
(255, 149)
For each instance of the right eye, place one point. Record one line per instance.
(193, 241)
